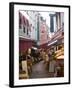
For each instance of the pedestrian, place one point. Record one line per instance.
(43, 55)
(29, 64)
(52, 62)
(46, 57)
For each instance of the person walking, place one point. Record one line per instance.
(52, 62)
(29, 64)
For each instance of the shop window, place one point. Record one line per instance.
(59, 47)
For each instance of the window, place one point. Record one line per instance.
(24, 29)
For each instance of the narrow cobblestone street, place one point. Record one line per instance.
(40, 70)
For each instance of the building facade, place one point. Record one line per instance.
(32, 28)
(57, 40)
(56, 21)
(42, 31)
(26, 31)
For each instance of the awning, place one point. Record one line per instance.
(60, 57)
(34, 48)
(52, 42)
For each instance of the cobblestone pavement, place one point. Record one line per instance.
(40, 70)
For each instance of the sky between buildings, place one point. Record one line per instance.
(47, 17)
